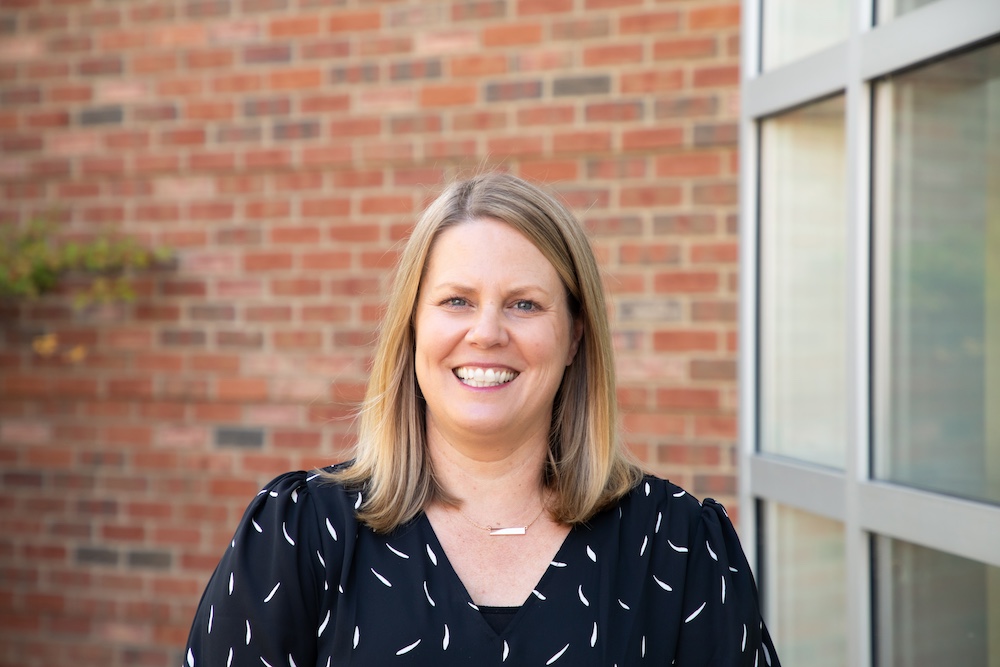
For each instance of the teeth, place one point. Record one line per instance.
(489, 377)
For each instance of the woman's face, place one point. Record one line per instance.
(493, 336)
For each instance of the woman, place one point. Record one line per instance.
(490, 515)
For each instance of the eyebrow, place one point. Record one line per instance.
(462, 288)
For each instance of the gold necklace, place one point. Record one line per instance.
(496, 531)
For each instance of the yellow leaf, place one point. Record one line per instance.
(76, 354)
(45, 345)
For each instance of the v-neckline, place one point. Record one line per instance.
(460, 590)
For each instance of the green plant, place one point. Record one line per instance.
(33, 260)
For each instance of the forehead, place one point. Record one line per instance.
(486, 247)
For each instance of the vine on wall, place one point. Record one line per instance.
(34, 261)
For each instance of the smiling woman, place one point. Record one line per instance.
(490, 501)
(490, 306)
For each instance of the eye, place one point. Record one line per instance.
(525, 306)
(454, 302)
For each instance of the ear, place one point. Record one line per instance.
(574, 344)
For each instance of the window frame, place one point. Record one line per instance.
(867, 507)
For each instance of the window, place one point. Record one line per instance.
(870, 328)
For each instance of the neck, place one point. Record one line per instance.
(493, 485)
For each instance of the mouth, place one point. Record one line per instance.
(484, 377)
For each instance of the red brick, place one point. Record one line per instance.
(520, 34)
(726, 76)
(650, 22)
(714, 311)
(478, 65)
(298, 340)
(210, 110)
(719, 16)
(267, 261)
(330, 259)
(718, 194)
(684, 48)
(618, 111)
(715, 426)
(649, 253)
(324, 103)
(654, 424)
(386, 204)
(593, 141)
(549, 171)
(688, 399)
(299, 26)
(536, 7)
(237, 83)
(686, 281)
(358, 178)
(685, 341)
(647, 139)
(450, 148)
(323, 208)
(646, 196)
(355, 127)
(355, 21)
(612, 55)
(295, 79)
(617, 168)
(269, 210)
(307, 235)
(296, 287)
(655, 81)
(448, 95)
(690, 164)
(240, 389)
(326, 314)
(715, 253)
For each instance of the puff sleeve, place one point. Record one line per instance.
(721, 622)
(261, 605)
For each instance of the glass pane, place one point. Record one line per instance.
(796, 28)
(806, 604)
(890, 9)
(938, 305)
(803, 290)
(935, 608)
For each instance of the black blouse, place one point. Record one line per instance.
(659, 580)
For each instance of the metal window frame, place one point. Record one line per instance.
(866, 507)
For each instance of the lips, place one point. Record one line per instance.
(484, 377)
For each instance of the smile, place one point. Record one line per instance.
(480, 377)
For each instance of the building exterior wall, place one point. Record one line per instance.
(283, 148)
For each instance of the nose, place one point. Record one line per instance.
(487, 328)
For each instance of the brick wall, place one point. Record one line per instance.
(283, 148)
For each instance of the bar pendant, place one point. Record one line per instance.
(517, 530)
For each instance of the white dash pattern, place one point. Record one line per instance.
(407, 649)
(557, 655)
(694, 614)
(380, 577)
(396, 551)
(429, 599)
(330, 529)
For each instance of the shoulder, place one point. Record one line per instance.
(299, 497)
(665, 505)
(655, 495)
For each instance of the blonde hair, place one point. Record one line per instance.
(587, 468)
